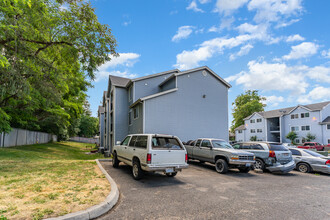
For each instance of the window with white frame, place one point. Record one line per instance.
(259, 130)
(305, 128)
(240, 131)
(130, 118)
(297, 140)
(304, 115)
(294, 116)
(136, 112)
(130, 93)
(253, 130)
(294, 128)
(328, 127)
(259, 120)
(252, 121)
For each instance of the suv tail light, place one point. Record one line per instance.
(272, 153)
(186, 158)
(328, 162)
(148, 158)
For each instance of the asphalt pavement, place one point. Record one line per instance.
(199, 192)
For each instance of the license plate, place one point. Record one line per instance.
(286, 154)
(248, 164)
(169, 170)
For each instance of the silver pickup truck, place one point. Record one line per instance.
(220, 153)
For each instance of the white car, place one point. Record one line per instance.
(151, 152)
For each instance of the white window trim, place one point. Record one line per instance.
(138, 112)
(252, 132)
(295, 127)
(259, 121)
(310, 128)
(327, 127)
(260, 130)
(130, 97)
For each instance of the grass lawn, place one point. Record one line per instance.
(47, 180)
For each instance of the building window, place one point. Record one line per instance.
(252, 121)
(328, 127)
(130, 118)
(136, 112)
(297, 141)
(130, 93)
(304, 115)
(240, 131)
(259, 130)
(305, 128)
(294, 116)
(259, 120)
(253, 130)
(296, 128)
(328, 141)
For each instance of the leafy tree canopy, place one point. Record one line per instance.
(245, 105)
(49, 51)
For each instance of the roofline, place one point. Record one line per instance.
(154, 75)
(168, 78)
(207, 68)
(153, 96)
(248, 117)
(301, 107)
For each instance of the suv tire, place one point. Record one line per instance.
(115, 161)
(136, 170)
(171, 174)
(221, 166)
(260, 164)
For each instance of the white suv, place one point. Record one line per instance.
(151, 152)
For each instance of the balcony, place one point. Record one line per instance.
(274, 129)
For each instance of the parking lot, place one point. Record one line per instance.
(199, 192)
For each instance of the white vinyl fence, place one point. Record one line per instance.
(19, 137)
(85, 140)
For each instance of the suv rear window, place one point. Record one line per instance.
(141, 141)
(277, 147)
(165, 143)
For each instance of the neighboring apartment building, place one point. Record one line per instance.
(276, 124)
(189, 104)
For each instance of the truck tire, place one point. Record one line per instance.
(171, 174)
(259, 164)
(244, 169)
(221, 166)
(136, 170)
(115, 161)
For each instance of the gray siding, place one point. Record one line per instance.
(256, 125)
(170, 84)
(137, 124)
(101, 119)
(186, 113)
(240, 136)
(121, 114)
(149, 86)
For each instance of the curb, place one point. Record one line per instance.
(100, 209)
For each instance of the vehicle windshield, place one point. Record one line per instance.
(165, 143)
(221, 144)
(314, 154)
(278, 147)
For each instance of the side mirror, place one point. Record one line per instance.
(118, 142)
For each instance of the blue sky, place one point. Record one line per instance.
(279, 47)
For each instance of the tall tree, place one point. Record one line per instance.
(245, 105)
(49, 51)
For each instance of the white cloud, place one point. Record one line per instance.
(124, 59)
(273, 77)
(319, 93)
(272, 10)
(319, 73)
(226, 23)
(303, 50)
(126, 23)
(213, 29)
(193, 6)
(243, 51)
(182, 33)
(191, 59)
(259, 31)
(273, 100)
(286, 23)
(295, 37)
(229, 6)
(326, 54)
(204, 1)
(105, 74)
